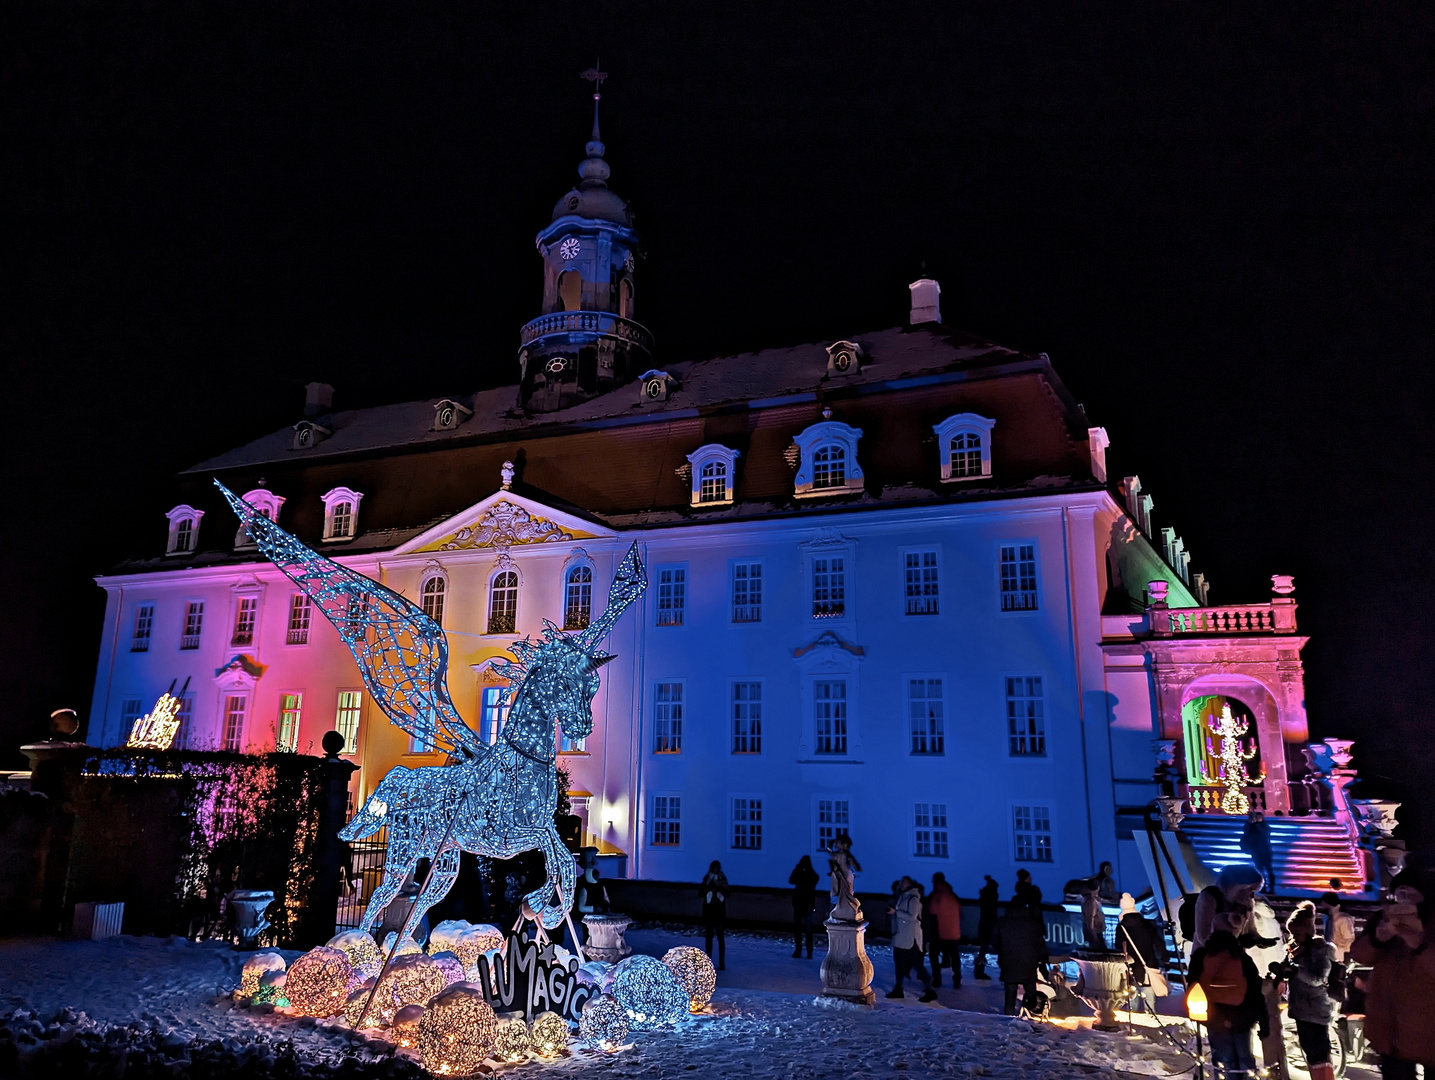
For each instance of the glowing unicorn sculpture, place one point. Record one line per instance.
(494, 800)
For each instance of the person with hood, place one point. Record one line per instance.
(1399, 948)
(944, 930)
(1308, 1003)
(987, 906)
(906, 912)
(1256, 842)
(803, 880)
(714, 891)
(1234, 1001)
(1145, 948)
(1339, 927)
(1020, 941)
(1229, 904)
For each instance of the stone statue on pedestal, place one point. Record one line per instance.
(842, 867)
(846, 970)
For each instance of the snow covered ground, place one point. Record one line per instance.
(765, 1023)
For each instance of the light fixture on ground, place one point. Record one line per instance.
(456, 1032)
(695, 974)
(604, 1023)
(548, 1035)
(319, 982)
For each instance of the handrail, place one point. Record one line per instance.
(1275, 617)
(603, 323)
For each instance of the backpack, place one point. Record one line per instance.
(1224, 979)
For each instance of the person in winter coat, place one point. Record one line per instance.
(714, 891)
(1307, 1001)
(1143, 943)
(1399, 947)
(1256, 842)
(906, 914)
(1339, 927)
(987, 905)
(1020, 941)
(943, 926)
(803, 880)
(1234, 1000)
(1229, 904)
(1027, 891)
(1105, 884)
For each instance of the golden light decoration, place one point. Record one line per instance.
(411, 980)
(443, 936)
(319, 982)
(355, 1006)
(255, 968)
(361, 949)
(456, 1032)
(1196, 1007)
(695, 974)
(405, 1028)
(449, 964)
(511, 1042)
(1233, 761)
(156, 730)
(407, 947)
(549, 1034)
(648, 990)
(603, 1023)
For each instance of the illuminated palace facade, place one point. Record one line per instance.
(893, 592)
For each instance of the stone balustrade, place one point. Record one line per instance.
(1275, 617)
(1206, 798)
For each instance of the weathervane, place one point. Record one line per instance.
(596, 77)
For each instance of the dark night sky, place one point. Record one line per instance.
(1217, 222)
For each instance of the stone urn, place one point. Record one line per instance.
(605, 937)
(246, 909)
(1104, 985)
(1172, 811)
(847, 969)
(1340, 751)
(1377, 816)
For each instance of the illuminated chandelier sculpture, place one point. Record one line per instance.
(496, 801)
(156, 729)
(1233, 761)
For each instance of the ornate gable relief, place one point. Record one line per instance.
(829, 651)
(826, 538)
(239, 672)
(503, 525)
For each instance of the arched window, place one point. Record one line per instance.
(713, 467)
(503, 602)
(570, 290)
(184, 535)
(625, 298)
(431, 598)
(713, 482)
(267, 503)
(343, 520)
(964, 447)
(183, 530)
(966, 455)
(578, 598)
(341, 513)
(829, 467)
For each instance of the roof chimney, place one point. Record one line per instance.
(318, 398)
(926, 301)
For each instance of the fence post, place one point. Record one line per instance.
(322, 910)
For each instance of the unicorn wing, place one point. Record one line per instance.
(628, 584)
(402, 654)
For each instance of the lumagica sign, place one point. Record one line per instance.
(531, 978)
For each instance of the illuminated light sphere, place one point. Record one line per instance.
(449, 964)
(695, 974)
(411, 980)
(593, 973)
(405, 1028)
(255, 968)
(362, 951)
(549, 1034)
(648, 991)
(603, 1023)
(407, 947)
(510, 1042)
(320, 982)
(445, 935)
(456, 1032)
(357, 1002)
(270, 994)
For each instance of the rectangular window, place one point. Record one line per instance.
(1018, 577)
(346, 719)
(235, 706)
(244, 618)
(747, 718)
(290, 708)
(920, 569)
(747, 823)
(747, 592)
(144, 626)
(830, 715)
(193, 624)
(667, 820)
(930, 821)
(1031, 833)
(300, 612)
(493, 714)
(1025, 716)
(131, 709)
(571, 746)
(667, 718)
(185, 716)
(833, 817)
(672, 595)
(924, 706)
(829, 587)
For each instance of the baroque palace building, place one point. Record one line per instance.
(892, 591)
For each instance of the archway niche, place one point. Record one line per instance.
(1202, 703)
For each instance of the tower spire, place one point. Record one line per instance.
(595, 144)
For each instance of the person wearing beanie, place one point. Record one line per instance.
(1308, 1002)
(1229, 904)
(1399, 948)
(1144, 944)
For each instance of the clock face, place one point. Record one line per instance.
(557, 365)
(569, 249)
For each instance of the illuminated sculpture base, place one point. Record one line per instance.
(847, 969)
(605, 937)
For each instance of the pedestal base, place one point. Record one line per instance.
(605, 937)
(847, 970)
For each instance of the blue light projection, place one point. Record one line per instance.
(495, 800)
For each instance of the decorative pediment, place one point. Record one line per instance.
(240, 668)
(502, 521)
(829, 647)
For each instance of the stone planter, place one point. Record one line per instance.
(1339, 751)
(1104, 985)
(1377, 816)
(1172, 811)
(847, 969)
(605, 937)
(246, 915)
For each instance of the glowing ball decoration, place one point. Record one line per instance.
(405, 1028)
(449, 964)
(411, 980)
(357, 1002)
(362, 951)
(445, 935)
(476, 941)
(255, 968)
(648, 991)
(456, 1032)
(510, 1042)
(320, 982)
(407, 947)
(549, 1034)
(603, 1024)
(270, 994)
(695, 974)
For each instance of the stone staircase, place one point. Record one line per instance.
(1309, 851)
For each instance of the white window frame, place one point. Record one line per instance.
(748, 578)
(184, 715)
(747, 798)
(493, 709)
(250, 589)
(829, 657)
(351, 746)
(505, 566)
(934, 820)
(921, 551)
(183, 513)
(1006, 713)
(963, 424)
(291, 744)
(433, 573)
(579, 560)
(717, 455)
(809, 441)
(265, 502)
(245, 628)
(234, 745)
(132, 708)
(298, 635)
(754, 723)
(927, 678)
(840, 702)
(1050, 832)
(184, 624)
(829, 544)
(144, 612)
(841, 806)
(672, 741)
(658, 584)
(670, 819)
(333, 499)
(1018, 544)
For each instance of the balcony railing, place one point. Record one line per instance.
(594, 323)
(1277, 617)
(1206, 799)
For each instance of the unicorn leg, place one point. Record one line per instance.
(440, 880)
(552, 902)
(394, 876)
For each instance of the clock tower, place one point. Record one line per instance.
(586, 341)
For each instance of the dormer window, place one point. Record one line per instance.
(307, 433)
(449, 414)
(264, 502)
(341, 514)
(713, 469)
(844, 358)
(183, 530)
(655, 386)
(828, 460)
(964, 447)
